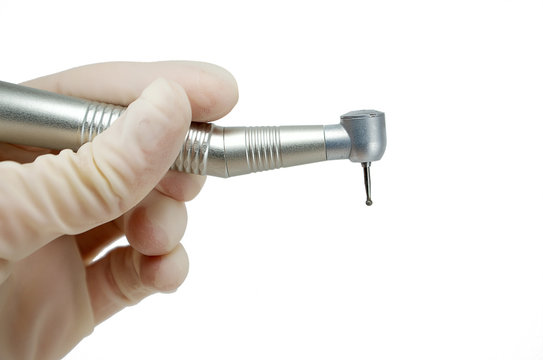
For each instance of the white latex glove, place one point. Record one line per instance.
(58, 211)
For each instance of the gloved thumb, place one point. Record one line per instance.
(72, 192)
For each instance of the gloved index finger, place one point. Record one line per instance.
(212, 91)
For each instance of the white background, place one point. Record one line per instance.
(447, 264)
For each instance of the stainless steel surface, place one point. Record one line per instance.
(224, 152)
(366, 128)
(44, 119)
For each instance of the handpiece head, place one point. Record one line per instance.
(366, 129)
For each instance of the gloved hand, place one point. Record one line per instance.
(58, 211)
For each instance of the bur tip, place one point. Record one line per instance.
(369, 202)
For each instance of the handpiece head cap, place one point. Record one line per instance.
(367, 131)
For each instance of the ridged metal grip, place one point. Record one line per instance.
(214, 150)
(98, 117)
(193, 156)
(263, 148)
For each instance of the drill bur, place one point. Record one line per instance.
(367, 182)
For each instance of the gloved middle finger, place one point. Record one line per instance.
(156, 225)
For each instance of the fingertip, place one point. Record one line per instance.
(216, 93)
(167, 272)
(156, 226)
(181, 186)
(165, 112)
(124, 277)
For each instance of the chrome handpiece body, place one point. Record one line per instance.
(44, 119)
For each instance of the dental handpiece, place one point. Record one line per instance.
(44, 119)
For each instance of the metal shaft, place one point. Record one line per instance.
(224, 152)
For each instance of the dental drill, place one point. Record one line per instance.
(44, 119)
